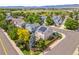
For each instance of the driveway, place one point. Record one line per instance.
(67, 45)
(6, 47)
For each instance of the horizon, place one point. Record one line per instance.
(36, 2)
(42, 5)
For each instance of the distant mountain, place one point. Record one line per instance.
(19, 7)
(63, 6)
(48, 6)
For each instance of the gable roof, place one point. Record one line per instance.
(57, 19)
(9, 18)
(42, 29)
(31, 27)
(43, 17)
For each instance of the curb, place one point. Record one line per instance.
(76, 51)
(13, 44)
(62, 28)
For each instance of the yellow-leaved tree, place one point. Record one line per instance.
(23, 34)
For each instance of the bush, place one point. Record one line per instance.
(49, 21)
(57, 35)
(40, 44)
(71, 24)
(22, 44)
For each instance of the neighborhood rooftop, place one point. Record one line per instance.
(42, 29)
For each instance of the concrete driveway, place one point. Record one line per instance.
(67, 45)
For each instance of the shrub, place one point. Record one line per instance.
(40, 44)
(49, 21)
(71, 24)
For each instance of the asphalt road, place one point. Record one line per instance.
(6, 47)
(1, 50)
(67, 45)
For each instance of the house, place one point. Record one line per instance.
(43, 32)
(8, 17)
(18, 22)
(57, 20)
(43, 19)
(76, 17)
(31, 27)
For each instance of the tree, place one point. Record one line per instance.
(32, 18)
(23, 34)
(71, 24)
(16, 14)
(76, 14)
(3, 24)
(2, 16)
(37, 18)
(29, 18)
(12, 31)
(2, 19)
(40, 44)
(21, 44)
(58, 12)
(49, 21)
(71, 14)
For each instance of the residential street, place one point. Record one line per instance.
(6, 47)
(67, 45)
(1, 49)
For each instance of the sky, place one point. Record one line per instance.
(36, 2)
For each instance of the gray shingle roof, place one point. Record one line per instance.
(57, 19)
(31, 27)
(43, 17)
(42, 29)
(9, 18)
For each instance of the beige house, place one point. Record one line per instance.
(43, 32)
(17, 22)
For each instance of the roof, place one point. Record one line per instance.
(31, 27)
(43, 17)
(42, 29)
(9, 18)
(57, 19)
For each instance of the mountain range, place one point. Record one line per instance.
(48, 6)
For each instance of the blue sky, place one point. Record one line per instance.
(36, 2)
